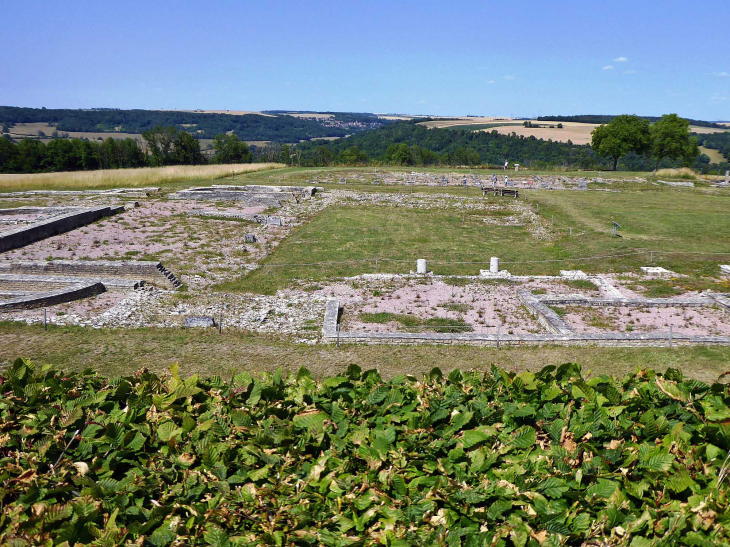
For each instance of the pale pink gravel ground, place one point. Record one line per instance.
(192, 245)
(488, 304)
(86, 308)
(692, 321)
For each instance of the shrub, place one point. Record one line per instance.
(494, 458)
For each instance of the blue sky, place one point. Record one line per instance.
(518, 58)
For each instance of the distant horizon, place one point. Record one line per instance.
(296, 111)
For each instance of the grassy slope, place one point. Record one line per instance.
(122, 351)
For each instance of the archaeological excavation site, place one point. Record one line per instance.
(363, 256)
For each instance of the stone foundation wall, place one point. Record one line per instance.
(331, 334)
(37, 231)
(145, 270)
(68, 293)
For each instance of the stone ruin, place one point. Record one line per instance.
(251, 195)
(34, 284)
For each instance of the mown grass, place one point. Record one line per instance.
(688, 230)
(114, 352)
(435, 324)
(124, 178)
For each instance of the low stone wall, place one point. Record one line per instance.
(37, 231)
(68, 293)
(144, 270)
(269, 196)
(331, 319)
(332, 334)
(39, 283)
(578, 300)
(545, 316)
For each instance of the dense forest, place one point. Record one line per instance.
(409, 143)
(249, 127)
(602, 118)
(32, 156)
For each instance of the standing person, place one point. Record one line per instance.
(494, 179)
(506, 163)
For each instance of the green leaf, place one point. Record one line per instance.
(658, 462)
(601, 489)
(215, 537)
(472, 438)
(313, 421)
(168, 430)
(378, 395)
(524, 437)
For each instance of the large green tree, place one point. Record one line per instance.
(622, 135)
(160, 143)
(186, 150)
(670, 138)
(228, 149)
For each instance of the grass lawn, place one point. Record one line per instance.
(677, 221)
(122, 351)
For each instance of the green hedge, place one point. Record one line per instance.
(495, 458)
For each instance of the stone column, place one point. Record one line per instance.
(494, 265)
(421, 266)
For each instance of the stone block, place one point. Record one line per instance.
(199, 321)
(657, 270)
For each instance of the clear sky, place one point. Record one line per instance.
(510, 58)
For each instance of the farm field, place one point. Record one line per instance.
(714, 155)
(576, 132)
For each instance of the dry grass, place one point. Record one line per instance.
(146, 176)
(116, 352)
(683, 173)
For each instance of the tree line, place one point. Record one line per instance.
(666, 143)
(249, 127)
(162, 146)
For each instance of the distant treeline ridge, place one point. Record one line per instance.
(604, 118)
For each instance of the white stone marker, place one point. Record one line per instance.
(494, 265)
(421, 266)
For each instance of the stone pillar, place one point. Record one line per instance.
(421, 266)
(727, 177)
(494, 265)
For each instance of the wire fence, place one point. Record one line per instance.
(652, 254)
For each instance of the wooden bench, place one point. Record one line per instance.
(502, 192)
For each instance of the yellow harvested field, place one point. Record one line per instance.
(696, 129)
(316, 115)
(114, 178)
(577, 133)
(454, 122)
(231, 112)
(714, 155)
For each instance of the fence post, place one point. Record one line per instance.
(45, 320)
(671, 328)
(499, 332)
(338, 336)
